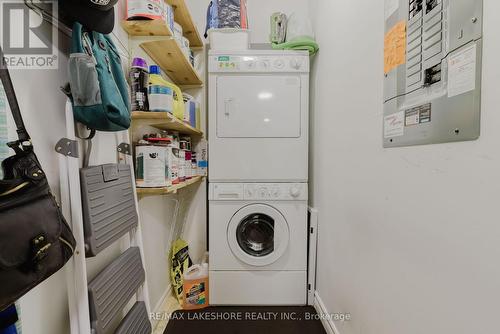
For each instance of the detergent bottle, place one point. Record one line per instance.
(196, 287)
(156, 79)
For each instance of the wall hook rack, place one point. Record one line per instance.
(48, 17)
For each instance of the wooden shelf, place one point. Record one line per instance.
(184, 18)
(168, 190)
(169, 56)
(163, 121)
(146, 28)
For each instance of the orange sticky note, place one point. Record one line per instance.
(395, 47)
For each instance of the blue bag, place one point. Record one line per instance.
(212, 17)
(99, 90)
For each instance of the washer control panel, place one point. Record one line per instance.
(237, 63)
(258, 191)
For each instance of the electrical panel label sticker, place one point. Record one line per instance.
(390, 7)
(462, 71)
(394, 125)
(395, 47)
(418, 115)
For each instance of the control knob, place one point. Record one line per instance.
(295, 192)
(279, 63)
(296, 63)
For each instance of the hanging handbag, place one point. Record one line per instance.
(35, 240)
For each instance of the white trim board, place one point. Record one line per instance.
(313, 250)
(327, 322)
(159, 306)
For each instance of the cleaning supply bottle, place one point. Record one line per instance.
(139, 78)
(196, 294)
(156, 79)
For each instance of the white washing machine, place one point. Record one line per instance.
(258, 244)
(258, 116)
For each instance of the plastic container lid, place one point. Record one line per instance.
(196, 272)
(154, 69)
(140, 63)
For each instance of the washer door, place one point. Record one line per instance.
(258, 235)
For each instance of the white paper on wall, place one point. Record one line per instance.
(394, 125)
(462, 71)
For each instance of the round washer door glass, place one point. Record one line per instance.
(255, 234)
(258, 235)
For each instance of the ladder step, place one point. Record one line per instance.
(136, 321)
(108, 203)
(112, 289)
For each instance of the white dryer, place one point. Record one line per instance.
(258, 244)
(258, 116)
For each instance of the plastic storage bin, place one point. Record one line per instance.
(229, 39)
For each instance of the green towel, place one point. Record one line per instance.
(305, 43)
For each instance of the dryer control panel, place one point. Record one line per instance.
(258, 192)
(259, 63)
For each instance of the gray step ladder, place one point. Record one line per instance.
(98, 307)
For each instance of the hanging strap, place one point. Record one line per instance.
(11, 97)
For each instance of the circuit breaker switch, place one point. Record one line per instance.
(432, 75)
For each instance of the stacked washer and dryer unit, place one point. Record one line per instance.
(258, 174)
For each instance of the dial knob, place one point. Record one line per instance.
(296, 63)
(279, 63)
(294, 192)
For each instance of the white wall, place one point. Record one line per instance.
(44, 310)
(259, 14)
(408, 236)
(41, 104)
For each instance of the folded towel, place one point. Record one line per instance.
(305, 43)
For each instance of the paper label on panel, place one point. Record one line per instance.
(390, 7)
(462, 71)
(394, 125)
(395, 47)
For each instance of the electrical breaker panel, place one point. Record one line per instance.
(432, 65)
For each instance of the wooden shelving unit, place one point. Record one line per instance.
(168, 190)
(160, 45)
(169, 56)
(184, 18)
(163, 121)
(146, 28)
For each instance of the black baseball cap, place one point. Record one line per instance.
(96, 15)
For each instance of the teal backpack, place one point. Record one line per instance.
(99, 90)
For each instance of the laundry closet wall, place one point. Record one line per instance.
(408, 237)
(44, 310)
(259, 14)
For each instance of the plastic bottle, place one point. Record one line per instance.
(195, 292)
(156, 79)
(139, 78)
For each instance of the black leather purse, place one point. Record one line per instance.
(35, 240)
